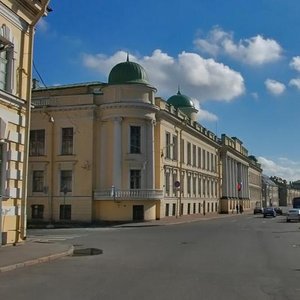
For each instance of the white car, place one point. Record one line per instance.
(293, 215)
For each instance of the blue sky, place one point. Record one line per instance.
(239, 60)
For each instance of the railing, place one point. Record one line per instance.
(134, 194)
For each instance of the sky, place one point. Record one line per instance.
(239, 61)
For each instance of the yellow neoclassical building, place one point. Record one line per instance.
(116, 152)
(17, 21)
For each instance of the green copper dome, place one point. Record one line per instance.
(180, 100)
(127, 72)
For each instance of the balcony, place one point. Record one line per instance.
(134, 194)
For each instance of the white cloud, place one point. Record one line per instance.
(282, 167)
(295, 63)
(204, 115)
(295, 82)
(256, 50)
(274, 87)
(199, 78)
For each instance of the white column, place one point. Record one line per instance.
(117, 152)
(149, 164)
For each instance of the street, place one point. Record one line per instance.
(239, 257)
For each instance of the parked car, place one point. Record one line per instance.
(278, 210)
(293, 215)
(269, 212)
(258, 210)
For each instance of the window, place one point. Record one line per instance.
(167, 183)
(135, 139)
(65, 212)
(135, 179)
(6, 59)
(194, 185)
(173, 209)
(38, 181)
(175, 147)
(203, 159)
(189, 182)
(66, 181)
(199, 186)
(189, 208)
(182, 150)
(167, 209)
(199, 157)
(208, 161)
(37, 142)
(168, 145)
(67, 141)
(194, 156)
(37, 211)
(189, 153)
(194, 208)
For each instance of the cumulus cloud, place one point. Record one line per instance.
(295, 82)
(282, 167)
(204, 115)
(274, 87)
(295, 63)
(256, 50)
(202, 79)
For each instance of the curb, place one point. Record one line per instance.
(37, 260)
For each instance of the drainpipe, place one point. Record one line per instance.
(23, 216)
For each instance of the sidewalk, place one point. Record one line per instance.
(33, 252)
(30, 253)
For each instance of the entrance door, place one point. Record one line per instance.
(138, 212)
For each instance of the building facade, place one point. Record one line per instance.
(116, 152)
(17, 21)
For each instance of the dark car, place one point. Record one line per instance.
(278, 210)
(269, 212)
(258, 210)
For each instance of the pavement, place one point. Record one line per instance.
(33, 252)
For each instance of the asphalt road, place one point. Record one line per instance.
(240, 257)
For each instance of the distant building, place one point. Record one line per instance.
(270, 192)
(240, 177)
(17, 21)
(115, 152)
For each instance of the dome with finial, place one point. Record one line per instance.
(179, 100)
(128, 72)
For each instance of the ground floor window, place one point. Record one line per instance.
(65, 212)
(173, 209)
(189, 208)
(167, 209)
(194, 208)
(37, 211)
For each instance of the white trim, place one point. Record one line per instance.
(10, 16)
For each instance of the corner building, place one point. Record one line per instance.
(115, 152)
(17, 21)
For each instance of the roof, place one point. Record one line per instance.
(128, 72)
(179, 100)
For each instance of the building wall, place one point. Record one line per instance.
(16, 35)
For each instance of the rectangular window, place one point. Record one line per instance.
(135, 139)
(194, 208)
(194, 185)
(37, 211)
(182, 150)
(38, 181)
(199, 186)
(175, 147)
(189, 208)
(168, 145)
(208, 160)
(203, 159)
(66, 181)
(167, 183)
(65, 212)
(189, 153)
(212, 164)
(135, 179)
(199, 157)
(67, 141)
(167, 209)
(37, 142)
(3, 69)
(189, 182)
(173, 209)
(194, 156)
